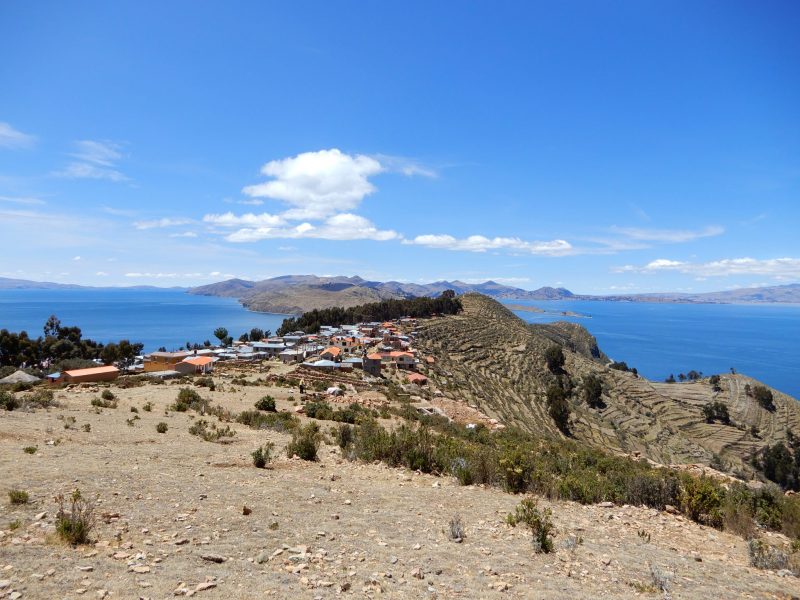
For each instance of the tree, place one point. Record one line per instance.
(221, 333)
(694, 375)
(670, 379)
(593, 391)
(558, 408)
(52, 326)
(681, 377)
(716, 411)
(245, 337)
(554, 357)
(448, 294)
(256, 334)
(764, 397)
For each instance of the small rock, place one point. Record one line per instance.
(140, 569)
(14, 596)
(606, 504)
(246, 511)
(417, 573)
(181, 542)
(4, 583)
(40, 516)
(215, 558)
(85, 568)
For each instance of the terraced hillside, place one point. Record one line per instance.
(491, 359)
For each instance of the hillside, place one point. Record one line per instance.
(489, 358)
(303, 298)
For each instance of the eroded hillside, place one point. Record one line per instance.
(493, 360)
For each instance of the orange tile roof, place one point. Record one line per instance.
(414, 377)
(91, 371)
(332, 350)
(199, 360)
(396, 353)
(374, 356)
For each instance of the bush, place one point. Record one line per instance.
(764, 556)
(702, 501)
(75, 519)
(278, 421)
(593, 391)
(162, 427)
(8, 401)
(103, 403)
(206, 382)
(554, 357)
(210, 432)
(18, 497)
(558, 408)
(148, 406)
(263, 455)
(30, 449)
(267, 404)
(107, 395)
(41, 398)
(305, 442)
(764, 397)
(539, 522)
(189, 399)
(344, 435)
(716, 411)
(456, 529)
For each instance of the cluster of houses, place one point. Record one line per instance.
(371, 347)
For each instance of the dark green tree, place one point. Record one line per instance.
(221, 334)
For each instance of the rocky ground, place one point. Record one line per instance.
(171, 521)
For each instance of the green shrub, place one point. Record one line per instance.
(539, 522)
(558, 408)
(702, 501)
(74, 519)
(107, 395)
(305, 442)
(206, 382)
(210, 432)
(278, 421)
(189, 399)
(267, 404)
(18, 496)
(8, 401)
(148, 406)
(764, 397)
(162, 427)
(717, 411)
(30, 449)
(102, 403)
(263, 455)
(593, 391)
(764, 556)
(344, 435)
(554, 358)
(516, 469)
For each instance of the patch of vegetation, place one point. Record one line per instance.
(558, 407)
(8, 401)
(781, 463)
(714, 381)
(162, 427)
(266, 403)
(18, 496)
(103, 403)
(455, 529)
(190, 399)
(305, 442)
(554, 358)
(623, 366)
(30, 449)
(210, 432)
(323, 411)
(107, 395)
(343, 434)
(764, 397)
(421, 307)
(717, 411)
(278, 421)
(206, 382)
(147, 407)
(75, 518)
(539, 522)
(593, 391)
(263, 455)
(764, 556)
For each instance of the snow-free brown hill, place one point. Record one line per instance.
(490, 358)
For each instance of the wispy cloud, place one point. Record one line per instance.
(480, 243)
(185, 234)
(94, 160)
(344, 226)
(404, 165)
(161, 223)
(778, 268)
(13, 139)
(27, 200)
(669, 236)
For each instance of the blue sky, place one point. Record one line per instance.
(605, 147)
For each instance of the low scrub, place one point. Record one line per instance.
(104, 403)
(266, 403)
(305, 442)
(162, 427)
(75, 518)
(278, 421)
(190, 399)
(39, 398)
(538, 521)
(263, 455)
(210, 432)
(18, 497)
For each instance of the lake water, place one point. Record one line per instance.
(759, 340)
(168, 318)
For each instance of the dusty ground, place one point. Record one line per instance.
(327, 529)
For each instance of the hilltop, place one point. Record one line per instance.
(489, 358)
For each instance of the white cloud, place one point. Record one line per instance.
(185, 234)
(101, 274)
(671, 236)
(14, 139)
(779, 268)
(345, 226)
(317, 184)
(404, 165)
(229, 219)
(95, 160)
(22, 200)
(76, 258)
(161, 223)
(480, 243)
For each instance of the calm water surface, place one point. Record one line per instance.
(760, 340)
(158, 318)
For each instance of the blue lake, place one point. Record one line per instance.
(760, 340)
(658, 339)
(168, 318)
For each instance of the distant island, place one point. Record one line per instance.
(296, 294)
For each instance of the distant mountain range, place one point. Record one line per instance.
(7, 283)
(294, 294)
(299, 293)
